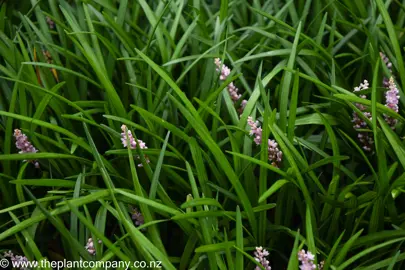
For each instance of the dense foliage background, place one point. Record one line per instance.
(73, 72)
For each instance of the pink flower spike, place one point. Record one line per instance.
(224, 73)
(387, 62)
(90, 247)
(50, 23)
(126, 136)
(16, 259)
(137, 217)
(260, 256)
(359, 123)
(275, 155)
(24, 145)
(242, 106)
(306, 259)
(391, 101)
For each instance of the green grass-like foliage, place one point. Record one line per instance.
(209, 195)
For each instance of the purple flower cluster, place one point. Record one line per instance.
(137, 217)
(90, 246)
(50, 23)
(24, 145)
(260, 256)
(392, 93)
(391, 101)
(232, 89)
(242, 106)
(16, 259)
(275, 155)
(388, 64)
(359, 123)
(307, 260)
(126, 136)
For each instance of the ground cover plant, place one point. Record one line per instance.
(203, 134)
